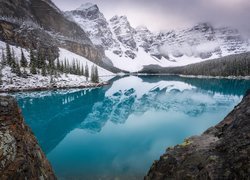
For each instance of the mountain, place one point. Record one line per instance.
(111, 44)
(94, 24)
(131, 48)
(39, 23)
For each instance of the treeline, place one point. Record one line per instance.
(42, 63)
(233, 65)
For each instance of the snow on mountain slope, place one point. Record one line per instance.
(202, 41)
(130, 49)
(10, 81)
(16, 49)
(92, 21)
(123, 31)
(70, 56)
(132, 65)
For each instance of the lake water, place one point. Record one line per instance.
(117, 131)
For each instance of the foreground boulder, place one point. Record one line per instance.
(20, 155)
(222, 152)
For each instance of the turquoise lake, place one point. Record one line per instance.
(117, 131)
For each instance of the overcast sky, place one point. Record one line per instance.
(171, 14)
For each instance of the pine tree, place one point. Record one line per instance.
(51, 67)
(13, 59)
(17, 69)
(13, 64)
(78, 71)
(86, 72)
(32, 62)
(44, 70)
(73, 71)
(96, 75)
(32, 58)
(92, 75)
(23, 61)
(8, 55)
(33, 69)
(82, 71)
(65, 66)
(40, 58)
(3, 59)
(58, 65)
(1, 74)
(62, 67)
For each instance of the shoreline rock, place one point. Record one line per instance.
(93, 85)
(20, 155)
(221, 152)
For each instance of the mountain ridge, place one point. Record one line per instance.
(167, 48)
(112, 44)
(39, 23)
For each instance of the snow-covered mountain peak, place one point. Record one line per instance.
(119, 18)
(92, 21)
(124, 33)
(203, 26)
(87, 6)
(88, 11)
(138, 47)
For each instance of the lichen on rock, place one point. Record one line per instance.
(222, 152)
(20, 155)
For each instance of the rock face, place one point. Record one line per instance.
(140, 47)
(89, 17)
(222, 152)
(116, 34)
(39, 23)
(20, 155)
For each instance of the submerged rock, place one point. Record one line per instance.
(222, 152)
(20, 155)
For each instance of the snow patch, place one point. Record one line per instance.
(70, 56)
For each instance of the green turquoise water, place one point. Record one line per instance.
(117, 131)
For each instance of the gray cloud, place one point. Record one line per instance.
(172, 14)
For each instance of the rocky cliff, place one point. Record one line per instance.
(20, 155)
(39, 23)
(222, 152)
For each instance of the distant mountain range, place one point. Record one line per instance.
(132, 48)
(112, 44)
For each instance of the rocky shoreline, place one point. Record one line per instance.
(221, 152)
(20, 155)
(91, 85)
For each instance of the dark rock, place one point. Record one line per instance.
(20, 155)
(39, 23)
(130, 54)
(4, 103)
(222, 152)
